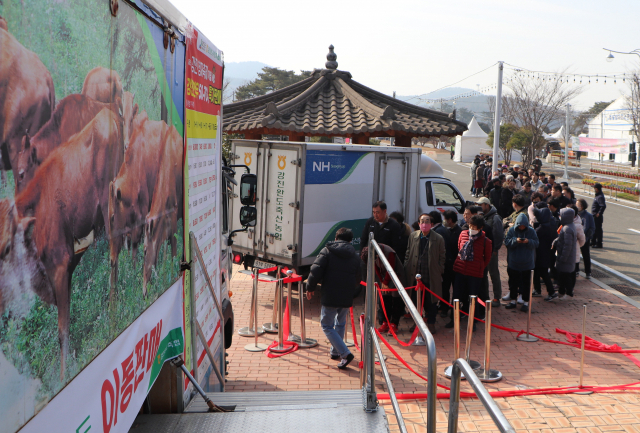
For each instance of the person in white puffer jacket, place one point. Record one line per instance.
(580, 238)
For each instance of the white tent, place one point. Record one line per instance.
(470, 142)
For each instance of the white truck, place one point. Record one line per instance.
(306, 191)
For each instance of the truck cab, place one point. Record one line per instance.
(436, 191)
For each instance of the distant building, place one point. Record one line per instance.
(615, 121)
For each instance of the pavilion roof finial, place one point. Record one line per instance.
(331, 59)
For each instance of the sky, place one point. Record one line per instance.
(414, 47)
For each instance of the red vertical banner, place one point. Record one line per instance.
(203, 131)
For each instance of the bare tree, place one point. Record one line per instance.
(536, 104)
(633, 102)
(508, 113)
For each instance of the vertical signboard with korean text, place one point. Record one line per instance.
(202, 169)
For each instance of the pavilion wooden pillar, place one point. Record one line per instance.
(252, 136)
(403, 141)
(296, 137)
(360, 139)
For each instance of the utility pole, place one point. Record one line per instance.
(496, 122)
(566, 145)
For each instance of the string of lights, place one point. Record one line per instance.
(572, 78)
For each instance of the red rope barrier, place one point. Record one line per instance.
(415, 331)
(353, 330)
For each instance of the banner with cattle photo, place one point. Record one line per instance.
(203, 128)
(91, 189)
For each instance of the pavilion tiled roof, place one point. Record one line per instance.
(330, 102)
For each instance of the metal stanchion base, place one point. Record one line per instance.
(581, 392)
(252, 347)
(493, 376)
(270, 328)
(475, 365)
(349, 343)
(527, 337)
(419, 341)
(247, 332)
(280, 349)
(309, 342)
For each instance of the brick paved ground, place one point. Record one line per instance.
(524, 365)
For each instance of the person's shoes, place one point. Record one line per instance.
(551, 297)
(384, 328)
(520, 301)
(507, 297)
(524, 308)
(588, 276)
(335, 357)
(563, 297)
(394, 328)
(345, 361)
(597, 246)
(431, 327)
(536, 294)
(495, 303)
(570, 294)
(510, 306)
(449, 325)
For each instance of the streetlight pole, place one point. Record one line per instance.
(496, 122)
(566, 144)
(610, 56)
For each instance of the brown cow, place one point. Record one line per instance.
(68, 198)
(131, 192)
(27, 97)
(166, 208)
(71, 115)
(103, 85)
(20, 275)
(130, 111)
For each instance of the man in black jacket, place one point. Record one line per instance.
(597, 210)
(337, 267)
(385, 230)
(451, 249)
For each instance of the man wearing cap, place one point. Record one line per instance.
(597, 210)
(494, 221)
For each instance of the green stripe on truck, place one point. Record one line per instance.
(356, 227)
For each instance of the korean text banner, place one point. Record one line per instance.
(603, 145)
(203, 131)
(107, 395)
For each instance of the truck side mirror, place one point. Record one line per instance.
(248, 216)
(248, 187)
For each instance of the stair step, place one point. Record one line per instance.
(244, 400)
(350, 419)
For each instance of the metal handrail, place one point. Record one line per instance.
(387, 378)
(461, 366)
(374, 248)
(220, 372)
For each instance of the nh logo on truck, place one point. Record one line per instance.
(320, 166)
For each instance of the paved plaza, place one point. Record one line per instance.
(611, 320)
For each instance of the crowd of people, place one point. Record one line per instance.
(542, 225)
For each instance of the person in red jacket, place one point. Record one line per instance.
(474, 254)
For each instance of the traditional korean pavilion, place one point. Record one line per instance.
(330, 103)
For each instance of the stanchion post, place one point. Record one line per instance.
(487, 374)
(472, 314)
(584, 336)
(304, 341)
(527, 337)
(280, 347)
(292, 336)
(419, 341)
(255, 347)
(272, 327)
(456, 337)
